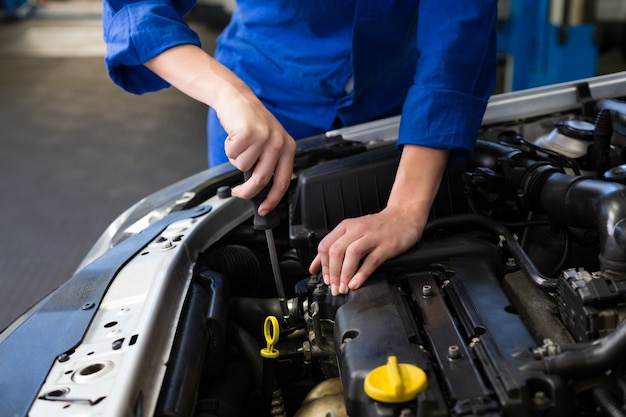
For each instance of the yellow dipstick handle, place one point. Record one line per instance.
(271, 332)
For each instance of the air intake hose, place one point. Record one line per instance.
(569, 200)
(586, 203)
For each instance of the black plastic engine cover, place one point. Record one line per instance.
(372, 326)
(453, 320)
(330, 192)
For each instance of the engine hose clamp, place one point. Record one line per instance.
(535, 178)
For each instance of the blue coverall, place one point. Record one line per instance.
(317, 64)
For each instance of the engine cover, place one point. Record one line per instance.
(452, 320)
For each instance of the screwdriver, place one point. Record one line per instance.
(267, 223)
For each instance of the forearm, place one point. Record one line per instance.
(198, 75)
(417, 181)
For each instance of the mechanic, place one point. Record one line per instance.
(287, 69)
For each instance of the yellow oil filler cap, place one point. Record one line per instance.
(395, 382)
(271, 331)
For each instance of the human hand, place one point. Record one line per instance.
(349, 254)
(255, 137)
(256, 141)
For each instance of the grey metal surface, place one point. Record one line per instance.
(524, 104)
(551, 99)
(75, 150)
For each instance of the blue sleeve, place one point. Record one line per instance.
(136, 31)
(454, 77)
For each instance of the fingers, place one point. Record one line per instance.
(262, 174)
(272, 160)
(369, 265)
(278, 171)
(346, 257)
(240, 148)
(316, 266)
(283, 170)
(322, 260)
(350, 253)
(244, 146)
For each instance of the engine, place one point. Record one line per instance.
(512, 304)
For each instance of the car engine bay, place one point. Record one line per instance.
(512, 304)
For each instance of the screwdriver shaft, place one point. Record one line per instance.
(282, 299)
(266, 223)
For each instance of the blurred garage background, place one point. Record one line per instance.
(75, 150)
